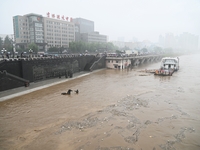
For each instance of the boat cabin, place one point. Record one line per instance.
(170, 63)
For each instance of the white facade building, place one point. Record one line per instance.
(117, 62)
(46, 32)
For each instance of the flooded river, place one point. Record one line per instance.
(114, 110)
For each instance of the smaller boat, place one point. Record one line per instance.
(168, 66)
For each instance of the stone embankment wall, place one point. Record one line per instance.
(33, 69)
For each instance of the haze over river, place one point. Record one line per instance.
(114, 110)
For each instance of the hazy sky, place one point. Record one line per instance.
(143, 19)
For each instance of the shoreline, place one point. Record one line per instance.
(9, 94)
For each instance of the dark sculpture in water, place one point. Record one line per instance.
(68, 92)
(76, 91)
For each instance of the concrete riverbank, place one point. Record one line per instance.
(34, 86)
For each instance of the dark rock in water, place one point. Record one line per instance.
(67, 93)
(77, 91)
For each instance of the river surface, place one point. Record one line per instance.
(114, 110)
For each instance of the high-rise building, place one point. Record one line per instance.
(185, 42)
(84, 31)
(161, 41)
(83, 25)
(188, 41)
(169, 40)
(44, 31)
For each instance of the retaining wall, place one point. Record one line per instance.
(33, 69)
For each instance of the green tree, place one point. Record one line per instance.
(144, 50)
(72, 46)
(118, 51)
(93, 47)
(19, 50)
(125, 48)
(168, 50)
(34, 47)
(1, 43)
(110, 46)
(56, 49)
(8, 44)
(158, 49)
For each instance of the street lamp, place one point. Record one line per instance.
(30, 51)
(3, 52)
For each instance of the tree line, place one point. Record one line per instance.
(7, 44)
(74, 47)
(82, 47)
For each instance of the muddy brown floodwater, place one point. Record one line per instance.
(114, 110)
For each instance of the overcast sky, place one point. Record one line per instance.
(143, 19)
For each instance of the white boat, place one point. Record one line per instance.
(170, 63)
(168, 66)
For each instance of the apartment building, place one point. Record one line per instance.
(58, 33)
(46, 32)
